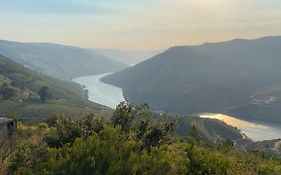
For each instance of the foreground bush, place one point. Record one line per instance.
(131, 143)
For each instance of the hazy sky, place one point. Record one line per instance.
(137, 24)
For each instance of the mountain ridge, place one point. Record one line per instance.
(59, 61)
(128, 57)
(20, 92)
(208, 78)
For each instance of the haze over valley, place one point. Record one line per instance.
(239, 77)
(59, 61)
(128, 57)
(140, 87)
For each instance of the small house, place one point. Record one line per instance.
(7, 126)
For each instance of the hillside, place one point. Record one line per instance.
(271, 148)
(210, 130)
(20, 93)
(238, 77)
(64, 62)
(131, 142)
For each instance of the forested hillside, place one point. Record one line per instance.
(59, 61)
(35, 96)
(239, 77)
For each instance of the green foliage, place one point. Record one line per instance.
(123, 116)
(205, 161)
(44, 94)
(52, 120)
(93, 145)
(65, 131)
(157, 133)
(27, 157)
(92, 124)
(20, 88)
(8, 93)
(210, 77)
(194, 136)
(226, 144)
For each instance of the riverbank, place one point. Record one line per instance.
(254, 130)
(110, 96)
(99, 92)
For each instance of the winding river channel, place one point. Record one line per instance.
(100, 92)
(110, 96)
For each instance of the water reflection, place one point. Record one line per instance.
(255, 131)
(110, 96)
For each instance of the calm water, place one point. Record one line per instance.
(256, 131)
(100, 92)
(110, 96)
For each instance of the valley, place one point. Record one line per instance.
(59, 61)
(100, 92)
(144, 87)
(238, 78)
(32, 96)
(109, 95)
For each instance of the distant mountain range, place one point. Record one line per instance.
(238, 77)
(20, 94)
(127, 57)
(64, 62)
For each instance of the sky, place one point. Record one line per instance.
(137, 24)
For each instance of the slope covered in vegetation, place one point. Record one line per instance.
(64, 62)
(35, 96)
(240, 78)
(131, 142)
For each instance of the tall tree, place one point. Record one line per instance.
(44, 94)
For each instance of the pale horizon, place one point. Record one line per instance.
(157, 49)
(138, 25)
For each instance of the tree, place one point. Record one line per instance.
(14, 84)
(193, 139)
(44, 94)
(127, 115)
(53, 120)
(194, 136)
(92, 124)
(226, 144)
(124, 116)
(155, 133)
(8, 93)
(86, 93)
(65, 132)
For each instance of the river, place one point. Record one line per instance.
(255, 131)
(99, 92)
(110, 96)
